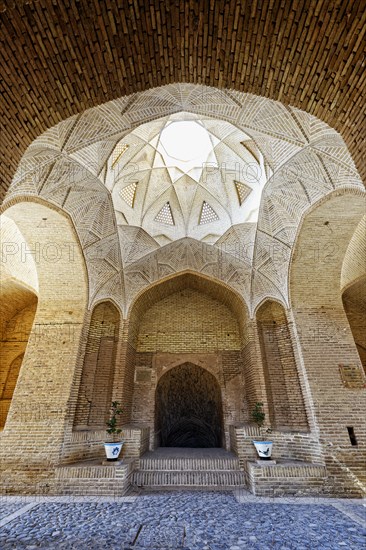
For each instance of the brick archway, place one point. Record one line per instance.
(226, 45)
(188, 408)
(57, 276)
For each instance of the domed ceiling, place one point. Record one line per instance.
(185, 176)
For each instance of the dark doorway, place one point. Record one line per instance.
(188, 408)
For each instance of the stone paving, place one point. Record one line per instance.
(182, 520)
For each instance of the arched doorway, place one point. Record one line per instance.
(189, 408)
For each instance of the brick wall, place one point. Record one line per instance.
(188, 321)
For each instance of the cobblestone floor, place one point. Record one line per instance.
(181, 520)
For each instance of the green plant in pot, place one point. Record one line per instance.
(264, 448)
(113, 449)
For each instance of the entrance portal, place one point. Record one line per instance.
(189, 408)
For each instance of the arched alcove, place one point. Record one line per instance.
(18, 308)
(95, 390)
(18, 305)
(284, 395)
(324, 336)
(354, 303)
(353, 284)
(189, 318)
(188, 408)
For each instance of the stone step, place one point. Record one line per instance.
(188, 468)
(186, 464)
(188, 478)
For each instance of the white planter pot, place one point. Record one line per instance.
(112, 450)
(264, 449)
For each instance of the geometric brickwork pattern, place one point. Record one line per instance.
(118, 152)
(60, 58)
(179, 171)
(303, 161)
(188, 255)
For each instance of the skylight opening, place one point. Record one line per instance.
(187, 160)
(185, 144)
